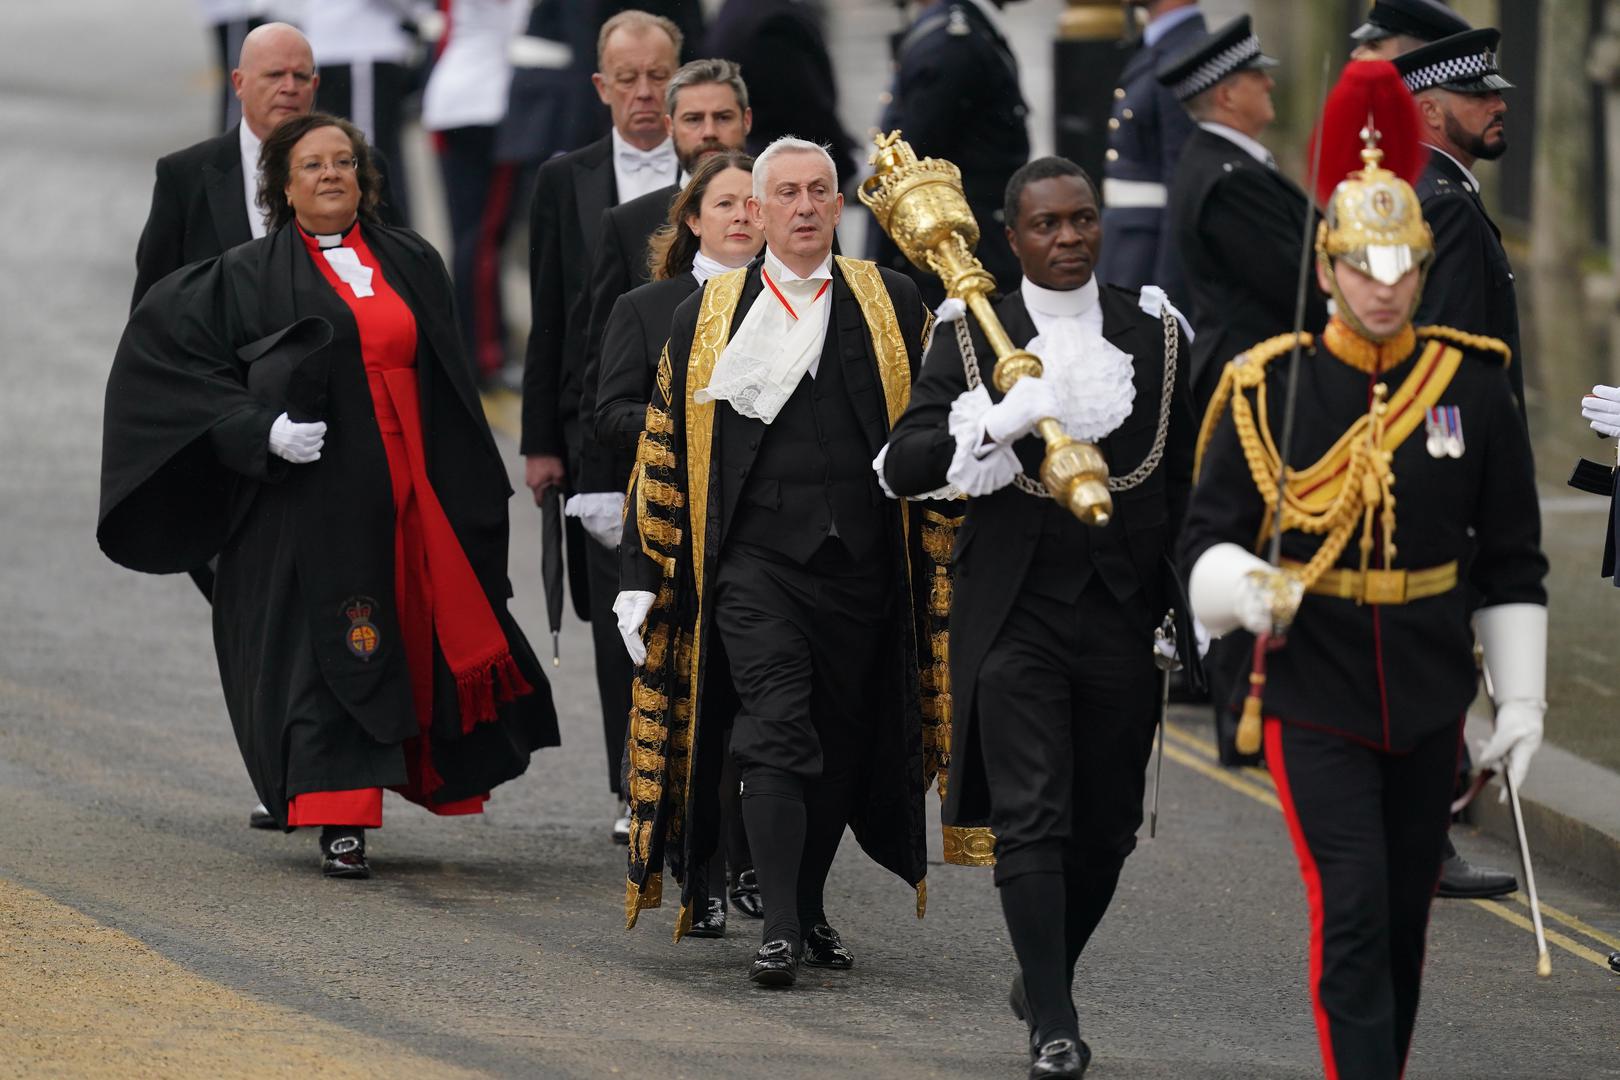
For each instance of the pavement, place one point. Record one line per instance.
(146, 931)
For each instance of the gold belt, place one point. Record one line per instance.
(1383, 586)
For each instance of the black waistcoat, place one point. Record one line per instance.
(812, 475)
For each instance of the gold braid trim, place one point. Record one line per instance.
(1477, 342)
(661, 494)
(659, 422)
(969, 845)
(1246, 369)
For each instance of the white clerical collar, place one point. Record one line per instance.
(704, 268)
(779, 271)
(1059, 303)
(1468, 174)
(1155, 31)
(1250, 145)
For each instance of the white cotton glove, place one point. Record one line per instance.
(1231, 587)
(1513, 638)
(1030, 400)
(1602, 409)
(295, 442)
(630, 609)
(602, 515)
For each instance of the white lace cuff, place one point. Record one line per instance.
(977, 469)
(949, 491)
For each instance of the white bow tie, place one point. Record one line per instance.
(633, 160)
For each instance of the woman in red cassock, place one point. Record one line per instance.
(300, 407)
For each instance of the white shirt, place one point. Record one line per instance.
(1469, 178)
(473, 75)
(1251, 146)
(823, 307)
(638, 172)
(250, 179)
(357, 32)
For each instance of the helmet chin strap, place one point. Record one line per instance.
(1348, 314)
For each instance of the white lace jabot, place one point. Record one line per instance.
(1091, 376)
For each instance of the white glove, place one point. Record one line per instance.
(602, 515)
(1231, 587)
(295, 442)
(1031, 399)
(630, 609)
(1513, 638)
(1602, 408)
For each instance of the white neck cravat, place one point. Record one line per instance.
(1093, 378)
(704, 268)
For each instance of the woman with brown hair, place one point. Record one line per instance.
(300, 407)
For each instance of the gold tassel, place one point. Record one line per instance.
(922, 898)
(1248, 732)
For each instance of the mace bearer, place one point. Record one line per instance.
(920, 204)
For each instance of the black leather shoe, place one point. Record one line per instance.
(259, 818)
(823, 948)
(1063, 1057)
(713, 924)
(343, 853)
(1614, 962)
(745, 894)
(776, 964)
(1462, 881)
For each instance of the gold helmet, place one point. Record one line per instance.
(1372, 218)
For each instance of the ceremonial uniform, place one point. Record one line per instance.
(1146, 131)
(1363, 700)
(779, 568)
(955, 96)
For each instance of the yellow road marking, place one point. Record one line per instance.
(504, 411)
(84, 1000)
(1262, 785)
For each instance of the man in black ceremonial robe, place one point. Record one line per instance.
(769, 559)
(1052, 621)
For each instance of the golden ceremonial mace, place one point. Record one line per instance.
(920, 204)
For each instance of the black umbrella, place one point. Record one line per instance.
(551, 562)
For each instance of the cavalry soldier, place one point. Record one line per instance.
(1052, 622)
(1362, 705)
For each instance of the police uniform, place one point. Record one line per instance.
(1363, 701)
(1472, 284)
(1146, 130)
(1426, 20)
(955, 96)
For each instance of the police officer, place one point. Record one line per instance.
(1145, 134)
(1362, 703)
(1394, 27)
(955, 96)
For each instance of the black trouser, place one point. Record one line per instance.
(614, 673)
(1066, 702)
(478, 191)
(803, 642)
(1368, 828)
(227, 51)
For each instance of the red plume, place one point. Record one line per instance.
(1368, 88)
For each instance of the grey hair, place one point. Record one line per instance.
(787, 144)
(703, 72)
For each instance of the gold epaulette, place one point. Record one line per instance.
(1246, 369)
(1477, 342)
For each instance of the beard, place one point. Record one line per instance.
(689, 161)
(1474, 143)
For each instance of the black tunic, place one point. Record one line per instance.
(187, 475)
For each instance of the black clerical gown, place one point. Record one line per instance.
(210, 357)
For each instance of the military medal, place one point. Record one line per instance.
(1443, 425)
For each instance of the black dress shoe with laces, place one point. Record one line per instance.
(343, 853)
(745, 894)
(259, 818)
(823, 948)
(1059, 1059)
(713, 923)
(1461, 880)
(776, 964)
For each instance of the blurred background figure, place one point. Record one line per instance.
(782, 50)
(547, 93)
(228, 24)
(1394, 27)
(463, 103)
(956, 96)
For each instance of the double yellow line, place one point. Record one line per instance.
(1199, 755)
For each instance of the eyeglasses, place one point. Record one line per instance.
(312, 169)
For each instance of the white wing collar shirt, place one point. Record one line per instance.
(1091, 377)
(780, 339)
(638, 171)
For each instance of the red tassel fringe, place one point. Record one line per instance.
(484, 687)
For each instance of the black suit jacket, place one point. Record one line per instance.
(198, 210)
(1470, 284)
(634, 339)
(997, 539)
(1239, 226)
(565, 213)
(791, 85)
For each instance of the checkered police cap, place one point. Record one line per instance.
(1234, 47)
(1463, 63)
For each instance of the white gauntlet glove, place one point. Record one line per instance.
(1513, 638)
(295, 442)
(1030, 400)
(630, 609)
(1231, 587)
(1602, 408)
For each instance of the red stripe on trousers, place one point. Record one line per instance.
(1313, 891)
(489, 329)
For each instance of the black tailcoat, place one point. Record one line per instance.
(634, 339)
(1387, 675)
(997, 539)
(1238, 226)
(1470, 284)
(187, 475)
(1147, 129)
